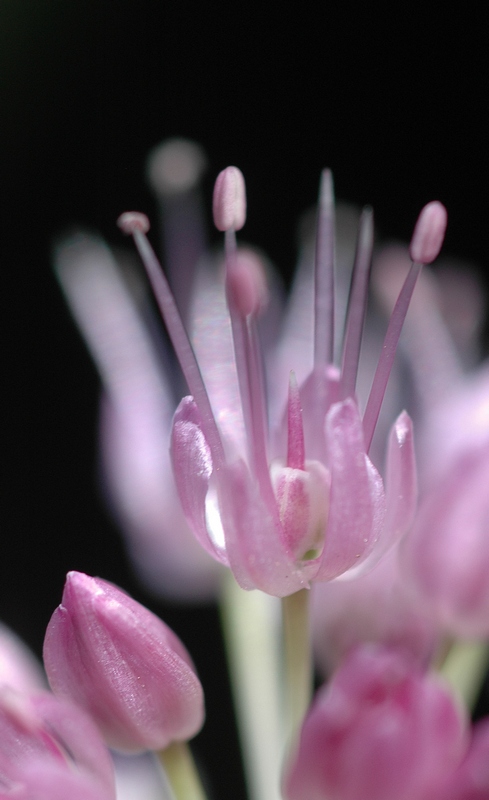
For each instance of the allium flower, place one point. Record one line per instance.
(50, 750)
(116, 659)
(319, 510)
(380, 730)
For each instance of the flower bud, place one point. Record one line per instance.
(122, 664)
(229, 201)
(380, 729)
(51, 750)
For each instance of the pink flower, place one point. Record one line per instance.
(380, 730)
(50, 750)
(122, 664)
(320, 508)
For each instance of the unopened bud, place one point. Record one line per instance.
(229, 201)
(429, 233)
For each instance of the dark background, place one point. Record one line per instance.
(391, 99)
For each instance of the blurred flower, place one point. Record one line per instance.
(50, 750)
(116, 659)
(376, 607)
(280, 525)
(445, 557)
(19, 668)
(380, 729)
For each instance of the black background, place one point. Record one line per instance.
(392, 99)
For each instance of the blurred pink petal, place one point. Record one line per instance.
(380, 730)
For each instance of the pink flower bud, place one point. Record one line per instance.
(380, 730)
(229, 201)
(429, 233)
(51, 750)
(121, 663)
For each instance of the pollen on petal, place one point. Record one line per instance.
(132, 221)
(429, 233)
(229, 201)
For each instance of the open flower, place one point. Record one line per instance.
(116, 659)
(320, 509)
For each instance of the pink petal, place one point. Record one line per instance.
(192, 470)
(258, 556)
(357, 503)
(139, 479)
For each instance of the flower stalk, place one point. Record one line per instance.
(182, 774)
(298, 678)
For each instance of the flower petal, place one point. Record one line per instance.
(357, 502)
(258, 554)
(192, 470)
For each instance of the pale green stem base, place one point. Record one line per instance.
(298, 661)
(464, 667)
(251, 624)
(181, 772)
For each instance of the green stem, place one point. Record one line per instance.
(181, 772)
(250, 628)
(298, 660)
(464, 667)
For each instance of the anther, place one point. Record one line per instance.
(132, 221)
(229, 201)
(429, 233)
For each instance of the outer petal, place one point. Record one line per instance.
(258, 557)
(401, 492)
(138, 475)
(192, 470)
(357, 504)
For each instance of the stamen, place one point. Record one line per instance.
(388, 352)
(243, 294)
(429, 233)
(137, 225)
(357, 305)
(324, 274)
(295, 428)
(229, 200)
(174, 169)
(426, 243)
